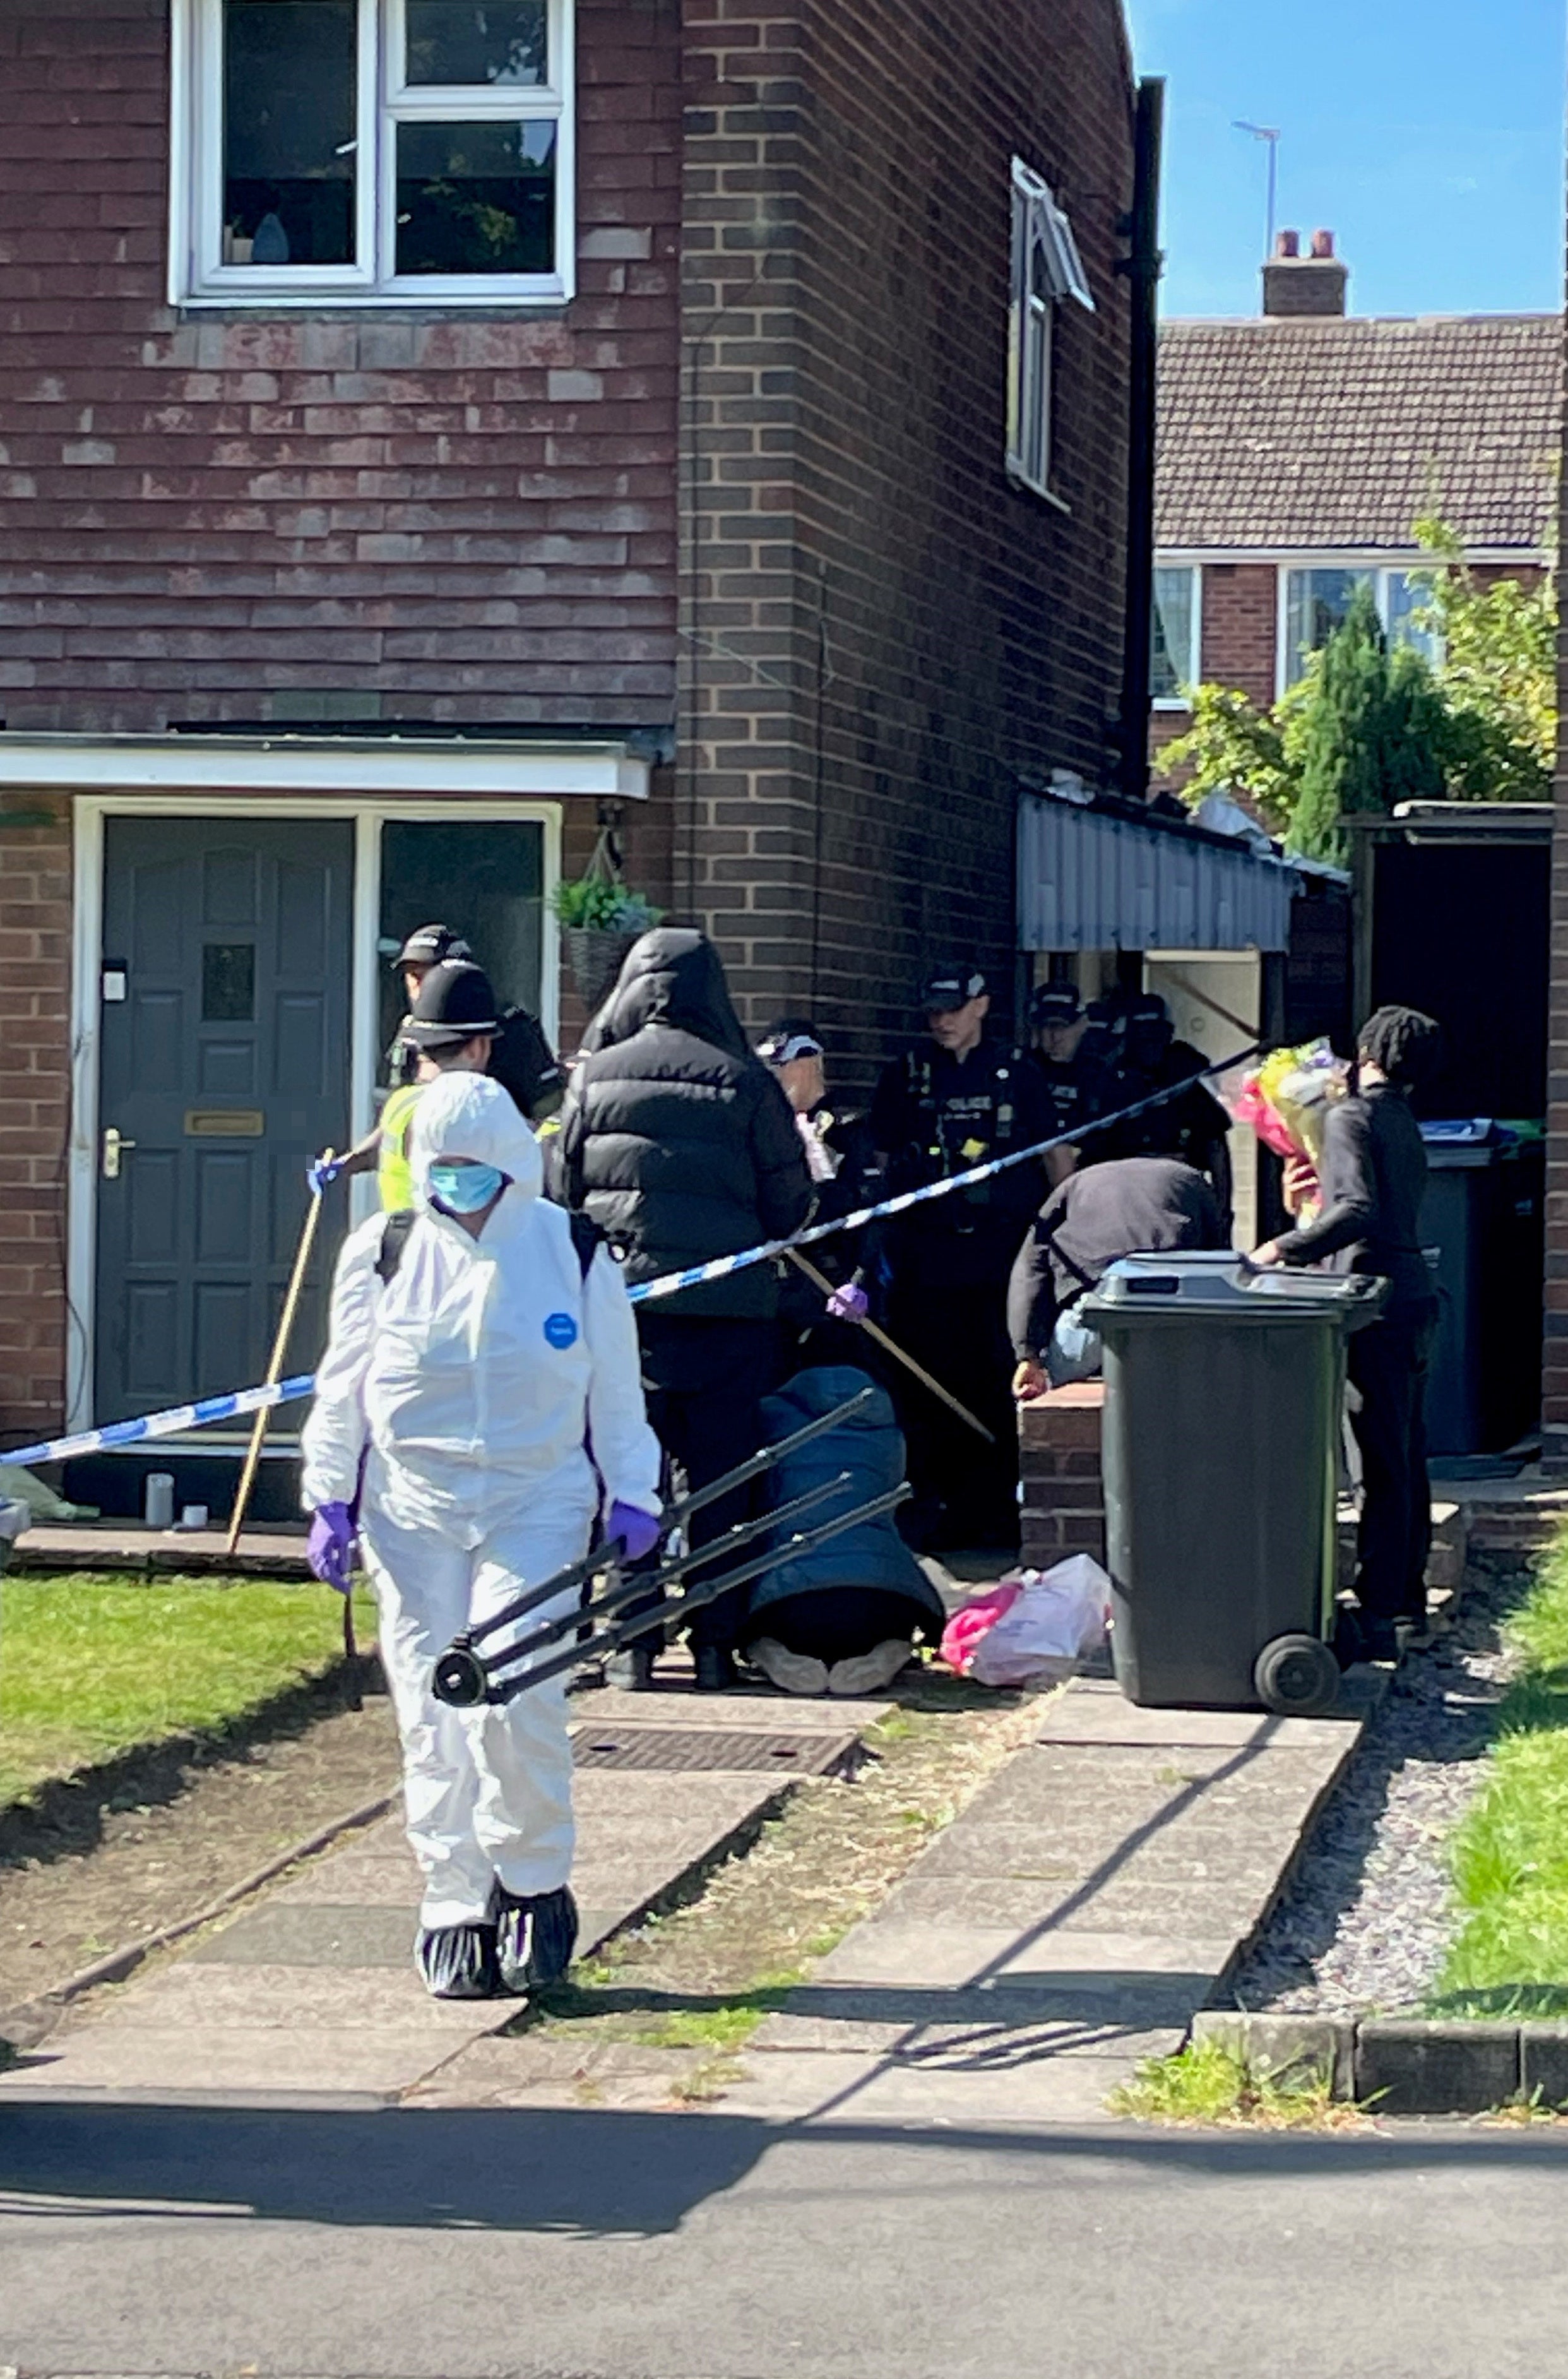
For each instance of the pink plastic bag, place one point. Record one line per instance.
(1037, 1628)
(960, 1637)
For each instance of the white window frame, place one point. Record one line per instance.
(1037, 221)
(198, 275)
(1379, 567)
(1194, 670)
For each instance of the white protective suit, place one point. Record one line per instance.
(472, 1386)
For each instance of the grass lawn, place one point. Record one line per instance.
(1511, 1853)
(92, 1666)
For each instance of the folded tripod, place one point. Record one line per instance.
(467, 1676)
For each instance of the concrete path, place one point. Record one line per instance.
(1071, 1922)
(312, 1988)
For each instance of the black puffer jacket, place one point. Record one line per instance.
(678, 1142)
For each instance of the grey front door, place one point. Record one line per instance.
(224, 1065)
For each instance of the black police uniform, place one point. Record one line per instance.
(948, 1264)
(1080, 1091)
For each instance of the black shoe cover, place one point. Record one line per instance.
(536, 1940)
(458, 1961)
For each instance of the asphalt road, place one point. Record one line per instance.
(410, 2245)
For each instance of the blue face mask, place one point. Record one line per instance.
(465, 1189)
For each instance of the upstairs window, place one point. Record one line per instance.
(1046, 269)
(1174, 663)
(1316, 601)
(372, 152)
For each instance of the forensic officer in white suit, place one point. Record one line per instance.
(478, 1405)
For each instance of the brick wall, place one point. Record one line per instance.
(35, 939)
(878, 630)
(1554, 1382)
(398, 515)
(1064, 1498)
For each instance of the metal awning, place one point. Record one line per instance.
(1096, 878)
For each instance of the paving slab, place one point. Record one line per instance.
(313, 1987)
(1096, 1894)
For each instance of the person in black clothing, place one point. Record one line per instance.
(1128, 1206)
(681, 1145)
(1193, 1126)
(842, 1163)
(949, 1105)
(1374, 1175)
(1079, 1083)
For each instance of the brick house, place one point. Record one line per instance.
(1296, 451)
(430, 432)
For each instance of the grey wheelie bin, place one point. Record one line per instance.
(1224, 1393)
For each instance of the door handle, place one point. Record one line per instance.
(114, 1147)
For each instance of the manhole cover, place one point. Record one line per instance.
(737, 1749)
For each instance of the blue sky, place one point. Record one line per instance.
(1425, 134)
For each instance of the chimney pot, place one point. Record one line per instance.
(1323, 245)
(1288, 243)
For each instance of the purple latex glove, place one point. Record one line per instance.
(638, 1531)
(850, 1303)
(330, 1550)
(321, 1172)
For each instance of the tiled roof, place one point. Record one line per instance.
(1336, 433)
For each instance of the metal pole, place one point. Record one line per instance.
(1142, 266)
(879, 1339)
(275, 1368)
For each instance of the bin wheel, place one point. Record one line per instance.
(1296, 1676)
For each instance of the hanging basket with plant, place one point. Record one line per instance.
(600, 918)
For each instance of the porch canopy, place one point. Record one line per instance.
(1100, 873)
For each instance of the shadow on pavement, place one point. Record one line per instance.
(590, 2173)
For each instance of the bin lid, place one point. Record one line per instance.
(1226, 1288)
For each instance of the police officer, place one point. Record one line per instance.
(520, 1059)
(952, 1104)
(842, 1162)
(1191, 1126)
(1078, 1082)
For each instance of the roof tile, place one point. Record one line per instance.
(1337, 433)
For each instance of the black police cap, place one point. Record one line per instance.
(429, 945)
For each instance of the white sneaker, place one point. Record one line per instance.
(870, 1671)
(792, 1673)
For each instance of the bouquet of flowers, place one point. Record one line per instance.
(1286, 1100)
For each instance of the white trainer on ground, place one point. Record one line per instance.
(470, 1385)
(792, 1673)
(870, 1673)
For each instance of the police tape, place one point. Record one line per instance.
(244, 1401)
(168, 1423)
(721, 1267)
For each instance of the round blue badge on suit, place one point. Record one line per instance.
(560, 1330)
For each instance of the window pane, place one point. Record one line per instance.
(475, 198)
(487, 879)
(228, 983)
(1406, 596)
(289, 146)
(1171, 666)
(477, 41)
(1037, 392)
(1316, 601)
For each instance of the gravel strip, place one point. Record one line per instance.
(1368, 1918)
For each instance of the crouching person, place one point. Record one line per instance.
(479, 1400)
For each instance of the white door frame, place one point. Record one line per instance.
(89, 812)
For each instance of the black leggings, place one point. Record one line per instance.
(838, 1622)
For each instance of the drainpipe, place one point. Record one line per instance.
(1142, 268)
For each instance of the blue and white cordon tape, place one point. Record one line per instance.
(178, 1418)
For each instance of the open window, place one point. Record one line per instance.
(372, 152)
(1046, 269)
